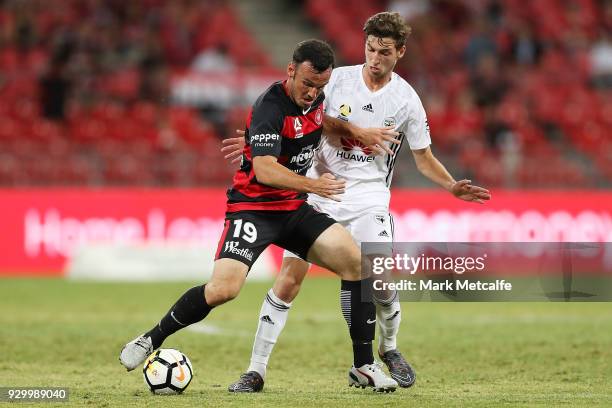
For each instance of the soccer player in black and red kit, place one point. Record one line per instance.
(266, 205)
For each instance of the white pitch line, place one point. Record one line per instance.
(207, 328)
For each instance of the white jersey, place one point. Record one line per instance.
(364, 209)
(368, 176)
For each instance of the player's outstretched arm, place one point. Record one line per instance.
(233, 146)
(373, 138)
(431, 168)
(269, 172)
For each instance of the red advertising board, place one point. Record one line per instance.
(510, 216)
(41, 228)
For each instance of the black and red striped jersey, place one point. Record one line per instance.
(276, 126)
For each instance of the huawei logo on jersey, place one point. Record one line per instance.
(349, 144)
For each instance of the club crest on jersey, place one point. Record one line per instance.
(319, 116)
(389, 121)
(380, 219)
(297, 125)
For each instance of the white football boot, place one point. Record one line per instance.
(371, 375)
(136, 352)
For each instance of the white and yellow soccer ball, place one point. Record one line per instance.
(167, 371)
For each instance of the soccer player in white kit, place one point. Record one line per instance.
(367, 95)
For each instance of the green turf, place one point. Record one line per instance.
(58, 333)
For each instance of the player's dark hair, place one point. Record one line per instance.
(317, 52)
(388, 24)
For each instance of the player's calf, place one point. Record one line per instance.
(190, 308)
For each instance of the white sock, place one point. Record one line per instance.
(388, 316)
(272, 318)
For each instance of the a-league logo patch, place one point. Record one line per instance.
(297, 125)
(345, 110)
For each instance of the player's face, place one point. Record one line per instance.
(381, 56)
(305, 83)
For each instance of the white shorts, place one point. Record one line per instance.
(375, 225)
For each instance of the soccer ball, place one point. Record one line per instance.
(167, 371)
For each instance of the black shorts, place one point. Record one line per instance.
(247, 233)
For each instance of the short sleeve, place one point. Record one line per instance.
(416, 127)
(265, 130)
(327, 90)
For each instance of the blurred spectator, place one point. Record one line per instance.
(452, 14)
(606, 15)
(154, 81)
(481, 44)
(213, 60)
(487, 82)
(55, 83)
(54, 88)
(601, 61)
(25, 31)
(410, 9)
(525, 47)
(496, 130)
(494, 11)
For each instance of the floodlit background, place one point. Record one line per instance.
(112, 114)
(139, 93)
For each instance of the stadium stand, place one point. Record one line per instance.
(518, 93)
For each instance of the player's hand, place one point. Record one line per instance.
(464, 190)
(376, 138)
(328, 186)
(233, 147)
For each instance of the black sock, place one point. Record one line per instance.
(189, 309)
(360, 315)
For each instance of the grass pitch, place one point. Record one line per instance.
(68, 334)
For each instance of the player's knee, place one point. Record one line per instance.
(350, 256)
(219, 294)
(353, 272)
(229, 293)
(352, 267)
(287, 288)
(223, 296)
